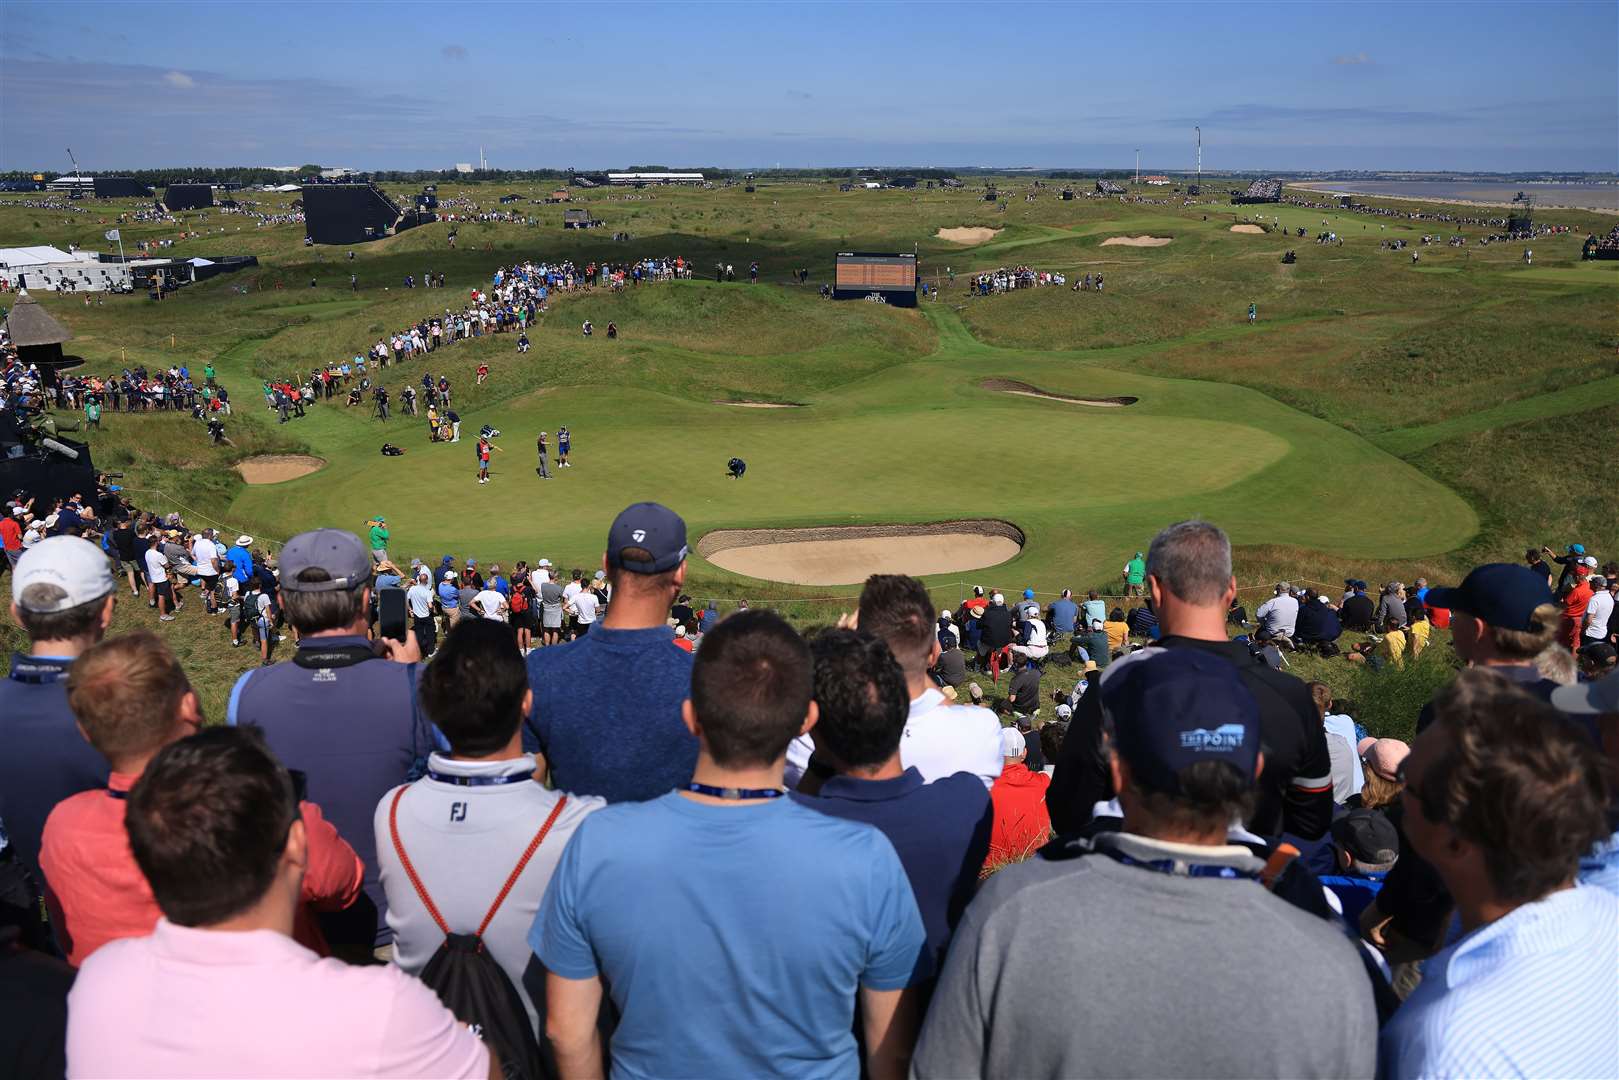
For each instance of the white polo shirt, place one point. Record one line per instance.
(463, 842)
(1597, 613)
(584, 606)
(203, 554)
(941, 739)
(489, 604)
(156, 565)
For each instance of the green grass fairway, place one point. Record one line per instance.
(1380, 419)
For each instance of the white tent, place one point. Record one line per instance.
(19, 258)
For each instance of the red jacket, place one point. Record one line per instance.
(1022, 823)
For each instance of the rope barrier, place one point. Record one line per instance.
(198, 513)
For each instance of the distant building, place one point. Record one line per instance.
(464, 168)
(337, 174)
(1157, 181)
(634, 178)
(83, 185)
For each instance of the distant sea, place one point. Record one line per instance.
(1591, 196)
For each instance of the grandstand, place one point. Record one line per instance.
(1108, 187)
(351, 213)
(1268, 190)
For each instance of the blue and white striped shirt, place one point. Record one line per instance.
(1535, 993)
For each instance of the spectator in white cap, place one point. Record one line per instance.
(62, 595)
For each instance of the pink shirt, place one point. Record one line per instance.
(185, 1002)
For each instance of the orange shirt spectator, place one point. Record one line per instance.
(1574, 605)
(1022, 823)
(97, 894)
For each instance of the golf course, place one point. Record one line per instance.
(1378, 417)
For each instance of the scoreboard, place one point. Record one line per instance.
(859, 274)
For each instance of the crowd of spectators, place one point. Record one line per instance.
(1538, 229)
(1007, 278)
(1604, 243)
(686, 845)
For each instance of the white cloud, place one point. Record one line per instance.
(179, 79)
(1351, 59)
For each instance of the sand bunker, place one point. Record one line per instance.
(1247, 229)
(1023, 389)
(975, 235)
(847, 554)
(762, 404)
(1137, 241)
(275, 468)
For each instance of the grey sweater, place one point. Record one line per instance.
(1091, 967)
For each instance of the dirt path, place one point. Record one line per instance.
(1137, 241)
(1023, 389)
(846, 555)
(966, 235)
(275, 468)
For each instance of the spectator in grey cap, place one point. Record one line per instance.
(343, 711)
(606, 717)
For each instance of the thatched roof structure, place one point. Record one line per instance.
(30, 324)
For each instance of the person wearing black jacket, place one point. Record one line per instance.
(1190, 582)
(1317, 621)
(1357, 610)
(995, 632)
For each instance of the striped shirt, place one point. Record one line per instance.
(1535, 993)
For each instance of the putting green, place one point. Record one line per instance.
(914, 439)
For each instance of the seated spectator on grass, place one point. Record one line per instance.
(941, 830)
(1357, 611)
(1417, 628)
(1278, 617)
(940, 739)
(219, 988)
(1504, 797)
(1380, 761)
(1094, 609)
(1032, 639)
(1347, 777)
(951, 666)
(132, 699)
(469, 824)
(1391, 607)
(1365, 846)
(1023, 695)
(1144, 907)
(1022, 823)
(62, 595)
(1143, 621)
(624, 677)
(735, 929)
(1317, 623)
(1118, 632)
(996, 633)
(1064, 616)
(1094, 644)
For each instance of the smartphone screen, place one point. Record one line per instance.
(391, 614)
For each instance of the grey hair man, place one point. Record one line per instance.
(1189, 579)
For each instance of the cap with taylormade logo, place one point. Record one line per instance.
(346, 561)
(655, 530)
(1173, 708)
(75, 571)
(1500, 594)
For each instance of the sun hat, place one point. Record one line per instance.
(75, 572)
(244, 541)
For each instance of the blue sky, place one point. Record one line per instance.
(1480, 86)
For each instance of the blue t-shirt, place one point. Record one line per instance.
(1063, 613)
(607, 713)
(940, 831)
(241, 560)
(449, 595)
(733, 938)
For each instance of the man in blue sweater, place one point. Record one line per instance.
(606, 717)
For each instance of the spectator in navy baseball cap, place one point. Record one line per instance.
(626, 676)
(1503, 616)
(1166, 895)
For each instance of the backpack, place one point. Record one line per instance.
(468, 980)
(519, 600)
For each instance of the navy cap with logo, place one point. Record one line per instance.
(1500, 594)
(657, 535)
(345, 559)
(1173, 708)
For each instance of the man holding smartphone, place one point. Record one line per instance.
(342, 711)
